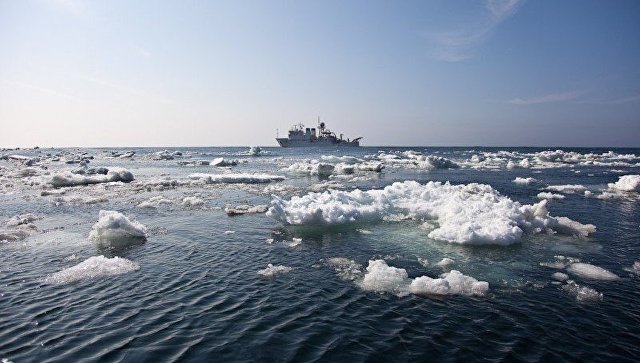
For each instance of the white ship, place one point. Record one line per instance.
(299, 136)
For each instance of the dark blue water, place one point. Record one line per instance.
(197, 295)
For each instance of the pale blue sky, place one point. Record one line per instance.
(205, 73)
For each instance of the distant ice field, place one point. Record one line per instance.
(355, 254)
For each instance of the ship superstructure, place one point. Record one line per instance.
(300, 136)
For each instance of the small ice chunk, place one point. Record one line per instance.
(246, 209)
(381, 277)
(524, 181)
(591, 272)
(295, 242)
(549, 195)
(272, 271)
(559, 276)
(568, 188)
(96, 266)
(114, 228)
(229, 232)
(445, 262)
(155, 202)
(582, 293)
(13, 235)
(345, 268)
(192, 202)
(219, 162)
(22, 219)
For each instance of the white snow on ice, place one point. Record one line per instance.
(466, 213)
(93, 267)
(115, 228)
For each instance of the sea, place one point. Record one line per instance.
(389, 254)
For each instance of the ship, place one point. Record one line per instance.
(299, 136)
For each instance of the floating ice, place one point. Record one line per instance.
(591, 272)
(164, 155)
(450, 283)
(582, 293)
(445, 262)
(549, 195)
(67, 178)
(272, 270)
(569, 188)
(96, 266)
(471, 213)
(155, 202)
(13, 235)
(223, 162)
(559, 276)
(246, 209)
(340, 159)
(236, 178)
(345, 268)
(312, 167)
(524, 181)
(114, 228)
(192, 202)
(626, 183)
(255, 151)
(381, 277)
(22, 219)
(437, 162)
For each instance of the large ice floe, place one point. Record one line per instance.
(68, 179)
(626, 183)
(236, 178)
(115, 229)
(591, 272)
(467, 213)
(93, 267)
(381, 277)
(415, 159)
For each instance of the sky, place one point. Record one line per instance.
(415, 73)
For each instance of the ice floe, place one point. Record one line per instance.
(220, 162)
(246, 209)
(582, 293)
(549, 195)
(67, 178)
(272, 271)
(192, 202)
(154, 202)
(346, 269)
(236, 178)
(466, 213)
(524, 181)
(591, 272)
(114, 228)
(626, 183)
(22, 219)
(445, 262)
(93, 267)
(381, 277)
(559, 276)
(568, 188)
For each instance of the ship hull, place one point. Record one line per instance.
(284, 142)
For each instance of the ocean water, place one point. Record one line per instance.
(198, 287)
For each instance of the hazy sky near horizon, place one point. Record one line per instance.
(209, 73)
